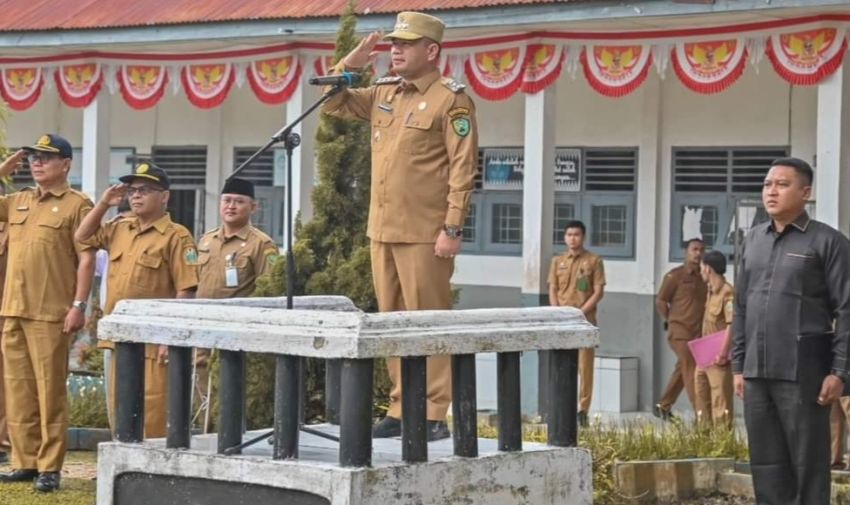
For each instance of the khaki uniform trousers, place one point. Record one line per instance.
(156, 394)
(4, 432)
(35, 359)
(682, 376)
(713, 394)
(839, 417)
(411, 277)
(585, 371)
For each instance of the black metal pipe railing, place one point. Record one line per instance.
(351, 382)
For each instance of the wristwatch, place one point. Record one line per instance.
(453, 231)
(79, 304)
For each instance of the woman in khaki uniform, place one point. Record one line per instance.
(149, 257)
(713, 385)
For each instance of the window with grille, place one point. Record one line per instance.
(469, 224)
(610, 169)
(186, 165)
(608, 225)
(506, 223)
(261, 170)
(564, 213)
(707, 184)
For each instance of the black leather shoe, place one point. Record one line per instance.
(19, 476)
(48, 482)
(581, 418)
(663, 414)
(4, 458)
(388, 427)
(437, 430)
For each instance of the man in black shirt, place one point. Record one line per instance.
(789, 362)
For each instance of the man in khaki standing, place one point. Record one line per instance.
(577, 279)
(232, 256)
(47, 285)
(424, 158)
(681, 303)
(150, 256)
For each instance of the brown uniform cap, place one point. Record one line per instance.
(415, 25)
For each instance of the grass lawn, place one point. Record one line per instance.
(78, 485)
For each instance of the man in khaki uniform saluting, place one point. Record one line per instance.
(577, 279)
(149, 257)
(424, 158)
(232, 256)
(47, 284)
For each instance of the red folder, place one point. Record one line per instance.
(706, 348)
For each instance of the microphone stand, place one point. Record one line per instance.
(290, 140)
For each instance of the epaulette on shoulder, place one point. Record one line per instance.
(212, 232)
(263, 235)
(81, 195)
(390, 79)
(452, 84)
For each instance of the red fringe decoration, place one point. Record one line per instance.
(825, 70)
(275, 98)
(143, 103)
(21, 105)
(614, 91)
(488, 93)
(75, 101)
(207, 103)
(710, 88)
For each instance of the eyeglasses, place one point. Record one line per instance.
(142, 190)
(40, 158)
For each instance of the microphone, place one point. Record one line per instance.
(343, 79)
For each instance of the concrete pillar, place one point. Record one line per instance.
(538, 195)
(217, 171)
(303, 161)
(832, 174)
(96, 146)
(538, 200)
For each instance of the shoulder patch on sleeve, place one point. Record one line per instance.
(453, 85)
(390, 79)
(458, 111)
(190, 255)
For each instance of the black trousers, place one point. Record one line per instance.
(788, 435)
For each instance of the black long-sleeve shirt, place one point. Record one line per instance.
(791, 285)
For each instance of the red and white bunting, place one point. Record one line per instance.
(21, 87)
(710, 67)
(543, 65)
(78, 85)
(323, 65)
(207, 86)
(616, 71)
(274, 80)
(806, 58)
(142, 86)
(496, 74)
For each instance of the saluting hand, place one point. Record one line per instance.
(364, 53)
(11, 164)
(74, 320)
(114, 195)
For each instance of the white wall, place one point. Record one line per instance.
(760, 109)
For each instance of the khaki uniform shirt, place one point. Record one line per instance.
(574, 277)
(250, 251)
(155, 262)
(719, 309)
(684, 291)
(424, 154)
(43, 257)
